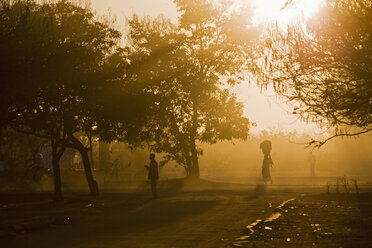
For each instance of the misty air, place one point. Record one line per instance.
(185, 123)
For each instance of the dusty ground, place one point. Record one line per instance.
(199, 215)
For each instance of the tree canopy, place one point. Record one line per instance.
(188, 67)
(63, 72)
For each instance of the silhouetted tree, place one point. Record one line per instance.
(188, 67)
(25, 54)
(62, 57)
(18, 59)
(324, 66)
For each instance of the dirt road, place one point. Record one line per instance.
(209, 217)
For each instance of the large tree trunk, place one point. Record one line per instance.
(93, 186)
(188, 164)
(56, 157)
(195, 173)
(187, 156)
(194, 153)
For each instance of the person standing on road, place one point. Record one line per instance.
(153, 175)
(267, 162)
(312, 160)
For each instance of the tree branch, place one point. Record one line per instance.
(318, 144)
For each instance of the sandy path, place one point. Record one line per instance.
(208, 218)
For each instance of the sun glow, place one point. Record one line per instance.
(267, 111)
(275, 10)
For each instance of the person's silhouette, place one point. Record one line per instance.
(153, 175)
(267, 162)
(312, 160)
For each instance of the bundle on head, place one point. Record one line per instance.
(265, 146)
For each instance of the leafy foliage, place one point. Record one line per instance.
(57, 57)
(187, 67)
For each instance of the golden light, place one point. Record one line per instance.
(268, 112)
(273, 10)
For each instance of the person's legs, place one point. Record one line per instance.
(153, 189)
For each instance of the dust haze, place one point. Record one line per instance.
(147, 123)
(116, 165)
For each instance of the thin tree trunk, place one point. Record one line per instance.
(93, 186)
(56, 157)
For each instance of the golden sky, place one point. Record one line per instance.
(260, 107)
